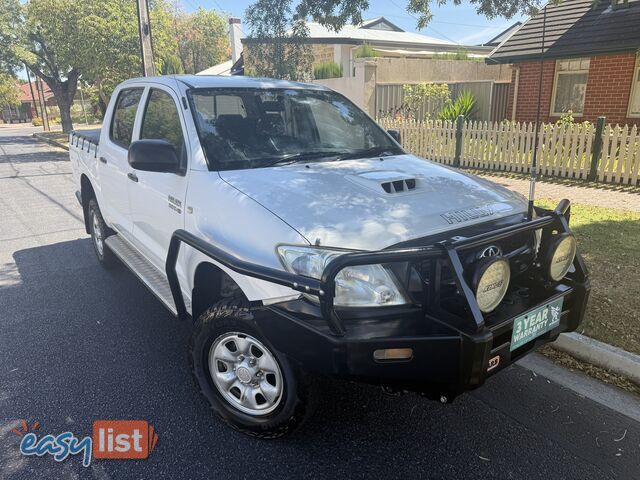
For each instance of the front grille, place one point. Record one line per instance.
(518, 248)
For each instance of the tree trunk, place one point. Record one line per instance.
(102, 96)
(64, 93)
(65, 113)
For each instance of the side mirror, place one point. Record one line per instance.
(153, 156)
(395, 134)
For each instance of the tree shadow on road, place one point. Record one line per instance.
(38, 155)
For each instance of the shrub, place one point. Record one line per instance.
(36, 121)
(463, 105)
(433, 96)
(366, 51)
(171, 65)
(460, 54)
(327, 70)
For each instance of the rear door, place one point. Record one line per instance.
(113, 165)
(157, 199)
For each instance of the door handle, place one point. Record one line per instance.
(132, 176)
(103, 160)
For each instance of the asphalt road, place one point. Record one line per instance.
(78, 344)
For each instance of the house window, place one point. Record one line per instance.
(569, 86)
(634, 102)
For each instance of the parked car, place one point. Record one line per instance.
(302, 241)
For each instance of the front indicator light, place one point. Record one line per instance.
(386, 354)
(491, 283)
(562, 253)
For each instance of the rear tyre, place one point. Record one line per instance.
(99, 232)
(252, 387)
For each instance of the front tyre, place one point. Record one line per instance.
(251, 386)
(99, 232)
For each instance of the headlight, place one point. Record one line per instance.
(361, 286)
(492, 281)
(562, 253)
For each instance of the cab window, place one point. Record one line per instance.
(161, 120)
(124, 116)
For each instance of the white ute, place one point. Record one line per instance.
(302, 240)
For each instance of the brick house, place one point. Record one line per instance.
(590, 62)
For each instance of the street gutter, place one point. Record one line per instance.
(600, 354)
(50, 141)
(609, 396)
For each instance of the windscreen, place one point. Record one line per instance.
(254, 128)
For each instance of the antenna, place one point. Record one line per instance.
(534, 162)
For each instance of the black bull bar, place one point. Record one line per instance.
(552, 221)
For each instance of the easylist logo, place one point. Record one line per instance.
(123, 439)
(111, 440)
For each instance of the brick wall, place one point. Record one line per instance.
(608, 89)
(528, 85)
(322, 53)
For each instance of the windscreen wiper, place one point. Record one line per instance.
(369, 152)
(300, 156)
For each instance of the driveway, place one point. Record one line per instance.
(78, 344)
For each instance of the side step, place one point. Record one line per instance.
(154, 279)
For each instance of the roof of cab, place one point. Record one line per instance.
(220, 81)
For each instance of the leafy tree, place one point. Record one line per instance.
(202, 39)
(277, 42)
(9, 91)
(277, 47)
(172, 65)
(337, 13)
(59, 40)
(110, 52)
(44, 35)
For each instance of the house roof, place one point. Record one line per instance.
(223, 68)
(226, 68)
(502, 36)
(573, 28)
(25, 92)
(378, 32)
(380, 23)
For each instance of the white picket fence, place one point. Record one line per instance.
(563, 150)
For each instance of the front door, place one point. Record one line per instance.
(157, 199)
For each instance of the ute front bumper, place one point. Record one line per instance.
(450, 353)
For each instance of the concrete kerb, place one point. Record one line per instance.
(600, 354)
(50, 141)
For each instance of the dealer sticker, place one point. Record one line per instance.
(535, 322)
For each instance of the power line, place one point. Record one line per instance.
(428, 26)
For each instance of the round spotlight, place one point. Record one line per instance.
(561, 255)
(492, 281)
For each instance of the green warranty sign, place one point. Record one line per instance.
(535, 322)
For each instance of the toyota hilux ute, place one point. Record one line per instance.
(302, 241)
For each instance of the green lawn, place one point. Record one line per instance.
(610, 243)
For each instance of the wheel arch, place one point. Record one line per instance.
(209, 283)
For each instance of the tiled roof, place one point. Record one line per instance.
(25, 92)
(574, 28)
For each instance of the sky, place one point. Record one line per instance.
(460, 24)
